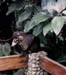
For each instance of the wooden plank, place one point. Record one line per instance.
(51, 66)
(12, 62)
(16, 62)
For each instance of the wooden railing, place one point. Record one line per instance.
(12, 62)
(52, 66)
(16, 62)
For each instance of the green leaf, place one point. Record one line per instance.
(6, 49)
(19, 25)
(19, 6)
(62, 59)
(26, 26)
(1, 53)
(19, 72)
(64, 18)
(25, 15)
(11, 9)
(46, 29)
(37, 19)
(57, 24)
(14, 7)
(37, 30)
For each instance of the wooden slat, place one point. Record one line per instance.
(16, 62)
(52, 66)
(12, 62)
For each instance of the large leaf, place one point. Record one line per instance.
(19, 6)
(19, 72)
(6, 49)
(62, 59)
(11, 9)
(46, 29)
(37, 19)
(25, 15)
(19, 25)
(38, 29)
(57, 24)
(1, 53)
(64, 18)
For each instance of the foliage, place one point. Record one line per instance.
(46, 20)
(50, 11)
(49, 18)
(62, 59)
(54, 12)
(5, 49)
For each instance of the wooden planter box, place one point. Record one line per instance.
(16, 62)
